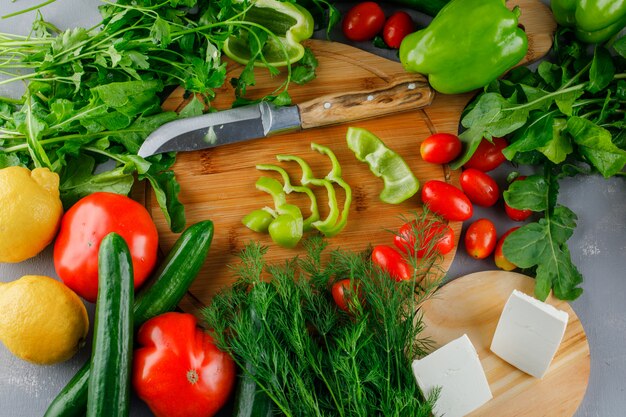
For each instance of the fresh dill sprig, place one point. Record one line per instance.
(281, 325)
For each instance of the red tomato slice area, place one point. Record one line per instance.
(85, 224)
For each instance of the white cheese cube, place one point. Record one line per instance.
(529, 333)
(456, 369)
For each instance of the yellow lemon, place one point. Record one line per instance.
(41, 320)
(30, 212)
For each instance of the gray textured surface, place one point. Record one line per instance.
(598, 248)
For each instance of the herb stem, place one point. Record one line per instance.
(30, 9)
(547, 96)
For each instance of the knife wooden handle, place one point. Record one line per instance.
(406, 92)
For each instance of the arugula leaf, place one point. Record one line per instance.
(528, 194)
(9, 160)
(166, 190)
(543, 244)
(78, 180)
(620, 46)
(596, 145)
(601, 71)
(29, 124)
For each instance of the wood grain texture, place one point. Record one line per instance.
(218, 183)
(406, 93)
(472, 305)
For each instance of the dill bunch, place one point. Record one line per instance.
(282, 327)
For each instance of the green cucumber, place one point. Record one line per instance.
(250, 400)
(165, 291)
(111, 360)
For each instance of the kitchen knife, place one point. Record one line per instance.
(405, 92)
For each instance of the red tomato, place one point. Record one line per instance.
(440, 148)
(396, 28)
(480, 238)
(82, 229)
(363, 21)
(178, 371)
(517, 214)
(390, 260)
(488, 155)
(479, 187)
(446, 200)
(343, 291)
(498, 256)
(406, 238)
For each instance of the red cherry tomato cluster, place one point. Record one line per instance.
(477, 187)
(366, 20)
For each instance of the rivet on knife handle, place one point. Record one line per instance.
(403, 94)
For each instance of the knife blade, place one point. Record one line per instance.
(406, 92)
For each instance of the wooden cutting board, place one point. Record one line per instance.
(218, 183)
(472, 305)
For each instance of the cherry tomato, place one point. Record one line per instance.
(392, 261)
(82, 229)
(479, 187)
(363, 21)
(396, 28)
(488, 155)
(440, 148)
(498, 256)
(343, 291)
(406, 238)
(480, 238)
(517, 214)
(446, 200)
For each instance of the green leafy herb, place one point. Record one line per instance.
(568, 117)
(310, 357)
(96, 93)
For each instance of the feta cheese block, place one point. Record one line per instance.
(455, 368)
(529, 333)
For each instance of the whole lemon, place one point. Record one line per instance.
(41, 320)
(30, 212)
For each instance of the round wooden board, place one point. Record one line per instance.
(472, 305)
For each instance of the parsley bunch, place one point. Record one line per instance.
(94, 94)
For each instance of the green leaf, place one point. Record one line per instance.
(566, 101)
(530, 193)
(620, 46)
(534, 135)
(78, 180)
(602, 70)
(31, 126)
(557, 149)
(194, 108)
(9, 160)
(304, 70)
(595, 143)
(543, 244)
(160, 32)
(166, 190)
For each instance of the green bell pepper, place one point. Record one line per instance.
(594, 21)
(258, 220)
(467, 45)
(399, 182)
(289, 24)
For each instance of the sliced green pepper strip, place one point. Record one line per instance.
(308, 178)
(335, 176)
(287, 228)
(258, 220)
(288, 188)
(400, 183)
